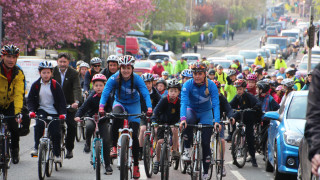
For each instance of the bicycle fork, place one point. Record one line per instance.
(129, 149)
(94, 152)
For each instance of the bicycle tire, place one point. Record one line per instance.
(98, 159)
(213, 156)
(78, 131)
(200, 165)
(183, 165)
(42, 162)
(164, 162)
(147, 156)
(124, 157)
(4, 167)
(84, 131)
(237, 140)
(49, 164)
(219, 162)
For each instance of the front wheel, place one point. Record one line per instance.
(79, 131)
(219, 160)
(98, 159)
(147, 156)
(124, 157)
(164, 162)
(49, 165)
(42, 161)
(239, 148)
(5, 156)
(183, 165)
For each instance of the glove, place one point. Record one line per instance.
(101, 110)
(32, 115)
(149, 113)
(154, 124)
(19, 118)
(62, 116)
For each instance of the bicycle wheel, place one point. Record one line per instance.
(79, 131)
(219, 160)
(124, 157)
(42, 161)
(199, 163)
(164, 162)
(183, 165)
(4, 151)
(84, 130)
(147, 156)
(213, 156)
(239, 148)
(98, 159)
(49, 164)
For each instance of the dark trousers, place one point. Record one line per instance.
(54, 131)
(71, 130)
(250, 139)
(12, 126)
(104, 134)
(117, 124)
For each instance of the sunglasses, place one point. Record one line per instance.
(96, 65)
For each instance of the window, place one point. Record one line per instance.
(155, 57)
(298, 108)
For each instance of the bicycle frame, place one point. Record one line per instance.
(125, 132)
(5, 134)
(149, 131)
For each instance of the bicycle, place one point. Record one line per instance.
(239, 147)
(148, 148)
(81, 126)
(124, 147)
(5, 142)
(45, 156)
(97, 146)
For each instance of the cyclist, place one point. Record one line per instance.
(165, 75)
(280, 94)
(282, 73)
(12, 92)
(259, 61)
(298, 78)
(290, 74)
(221, 76)
(237, 62)
(253, 67)
(240, 76)
(167, 66)
(161, 86)
(180, 66)
(267, 101)
(46, 99)
(112, 66)
(90, 107)
(158, 68)
(127, 98)
(186, 75)
(211, 65)
(244, 100)
(155, 98)
(83, 68)
(211, 74)
(259, 73)
(280, 63)
(288, 85)
(205, 61)
(168, 111)
(251, 86)
(308, 81)
(95, 64)
(199, 104)
(155, 80)
(224, 108)
(246, 72)
(235, 67)
(230, 90)
(78, 64)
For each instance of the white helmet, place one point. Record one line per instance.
(95, 60)
(113, 58)
(126, 60)
(84, 64)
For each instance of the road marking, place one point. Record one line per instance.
(142, 172)
(237, 175)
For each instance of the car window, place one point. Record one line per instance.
(304, 66)
(249, 55)
(298, 108)
(155, 57)
(240, 59)
(225, 65)
(280, 42)
(191, 57)
(295, 35)
(142, 64)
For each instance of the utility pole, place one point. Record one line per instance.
(311, 32)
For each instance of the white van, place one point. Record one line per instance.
(29, 65)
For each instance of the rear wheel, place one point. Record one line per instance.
(5, 156)
(213, 155)
(49, 165)
(98, 159)
(124, 157)
(219, 160)
(84, 130)
(42, 161)
(79, 131)
(147, 156)
(239, 149)
(164, 162)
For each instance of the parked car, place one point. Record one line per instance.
(315, 51)
(303, 66)
(192, 57)
(249, 55)
(296, 33)
(148, 43)
(314, 57)
(241, 59)
(284, 44)
(284, 135)
(132, 45)
(277, 25)
(161, 55)
(143, 66)
(224, 62)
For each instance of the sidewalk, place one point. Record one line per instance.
(219, 44)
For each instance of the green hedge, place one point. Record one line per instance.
(244, 23)
(73, 53)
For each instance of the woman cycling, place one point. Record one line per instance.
(199, 99)
(127, 98)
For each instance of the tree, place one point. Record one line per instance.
(203, 14)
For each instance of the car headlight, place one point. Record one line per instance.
(292, 138)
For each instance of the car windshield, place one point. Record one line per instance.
(304, 66)
(271, 28)
(281, 42)
(224, 64)
(298, 108)
(273, 50)
(295, 35)
(235, 58)
(142, 65)
(263, 54)
(315, 52)
(248, 54)
(194, 58)
(160, 56)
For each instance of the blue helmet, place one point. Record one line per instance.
(187, 73)
(147, 77)
(45, 65)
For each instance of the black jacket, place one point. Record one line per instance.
(167, 112)
(225, 107)
(106, 72)
(87, 79)
(57, 93)
(155, 98)
(312, 128)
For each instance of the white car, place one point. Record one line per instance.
(240, 58)
(161, 55)
(224, 62)
(249, 55)
(191, 57)
(313, 58)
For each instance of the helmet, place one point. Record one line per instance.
(219, 67)
(199, 67)
(217, 84)
(79, 63)
(95, 60)
(309, 73)
(240, 76)
(155, 77)
(279, 88)
(253, 66)
(298, 74)
(279, 77)
(235, 61)
(274, 74)
(267, 76)
(240, 83)
(45, 65)
(174, 83)
(264, 86)
(166, 59)
(158, 61)
(204, 57)
(232, 72)
(292, 66)
(258, 54)
(252, 77)
(147, 77)
(99, 77)
(212, 62)
(162, 81)
(127, 60)
(211, 72)
(10, 50)
(258, 69)
(290, 71)
(279, 56)
(246, 68)
(165, 73)
(112, 58)
(272, 83)
(288, 82)
(234, 66)
(187, 73)
(267, 81)
(84, 64)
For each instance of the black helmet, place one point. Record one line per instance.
(267, 76)
(10, 50)
(291, 71)
(258, 70)
(309, 73)
(264, 86)
(211, 72)
(45, 65)
(162, 81)
(199, 67)
(174, 83)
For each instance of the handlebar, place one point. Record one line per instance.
(123, 115)
(167, 125)
(2, 117)
(245, 110)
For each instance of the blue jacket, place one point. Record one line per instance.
(193, 96)
(270, 105)
(126, 96)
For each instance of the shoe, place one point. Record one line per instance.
(175, 154)
(57, 159)
(228, 139)
(136, 172)
(224, 173)
(156, 167)
(108, 170)
(86, 148)
(113, 152)
(69, 154)
(254, 162)
(15, 156)
(205, 176)
(249, 159)
(34, 152)
(186, 155)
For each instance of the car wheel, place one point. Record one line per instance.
(277, 175)
(299, 174)
(268, 165)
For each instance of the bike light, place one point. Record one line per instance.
(290, 161)
(292, 138)
(125, 124)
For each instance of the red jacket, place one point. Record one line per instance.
(157, 70)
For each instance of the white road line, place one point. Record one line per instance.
(237, 175)
(142, 172)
